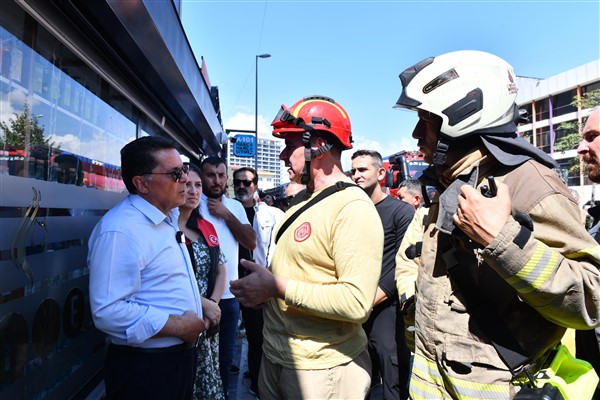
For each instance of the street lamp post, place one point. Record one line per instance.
(256, 109)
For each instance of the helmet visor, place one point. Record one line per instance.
(283, 118)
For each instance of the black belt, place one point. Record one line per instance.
(178, 348)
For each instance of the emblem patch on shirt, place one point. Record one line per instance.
(302, 232)
(213, 239)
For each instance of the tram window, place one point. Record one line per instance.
(51, 113)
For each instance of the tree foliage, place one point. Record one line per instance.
(14, 132)
(571, 137)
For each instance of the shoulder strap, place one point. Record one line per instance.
(325, 193)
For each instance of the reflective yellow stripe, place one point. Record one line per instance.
(472, 390)
(299, 107)
(592, 252)
(421, 390)
(537, 270)
(427, 380)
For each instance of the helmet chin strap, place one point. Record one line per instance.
(309, 154)
(441, 150)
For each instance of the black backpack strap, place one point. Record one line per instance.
(325, 193)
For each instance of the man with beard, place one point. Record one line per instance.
(506, 265)
(230, 221)
(264, 221)
(389, 354)
(587, 342)
(320, 287)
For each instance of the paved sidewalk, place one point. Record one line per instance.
(239, 388)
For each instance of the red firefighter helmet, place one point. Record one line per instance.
(314, 113)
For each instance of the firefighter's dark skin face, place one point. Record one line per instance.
(426, 132)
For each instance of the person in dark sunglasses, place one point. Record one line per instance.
(143, 293)
(176, 173)
(264, 220)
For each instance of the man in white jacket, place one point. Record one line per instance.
(264, 220)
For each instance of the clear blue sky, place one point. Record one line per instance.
(353, 51)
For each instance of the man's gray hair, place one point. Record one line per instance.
(412, 185)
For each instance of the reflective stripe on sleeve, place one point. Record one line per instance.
(537, 270)
(592, 253)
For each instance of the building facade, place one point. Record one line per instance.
(548, 104)
(78, 81)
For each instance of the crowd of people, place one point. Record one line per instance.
(460, 288)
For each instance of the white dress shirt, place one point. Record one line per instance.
(139, 274)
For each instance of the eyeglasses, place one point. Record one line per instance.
(175, 173)
(238, 182)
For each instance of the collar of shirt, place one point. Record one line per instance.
(151, 212)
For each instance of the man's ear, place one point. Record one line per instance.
(380, 174)
(319, 142)
(418, 200)
(141, 184)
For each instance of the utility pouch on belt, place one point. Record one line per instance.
(562, 376)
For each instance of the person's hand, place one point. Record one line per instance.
(482, 218)
(190, 326)
(207, 323)
(216, 208)
(256, 288)
(211, 312)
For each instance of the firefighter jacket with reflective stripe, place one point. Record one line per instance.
(538, 287)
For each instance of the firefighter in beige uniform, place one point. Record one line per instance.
(324, 275)
(525, 248)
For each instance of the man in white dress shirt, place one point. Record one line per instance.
(143, 292)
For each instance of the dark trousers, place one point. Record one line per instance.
(587, 347)
(253, 321)
(388, 349)
(134, 375)
(230, 316)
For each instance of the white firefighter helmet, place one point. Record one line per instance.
(472, 91)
